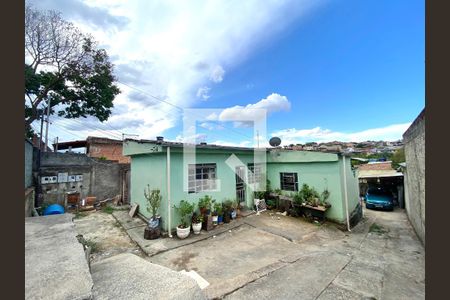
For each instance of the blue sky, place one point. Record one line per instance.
(350, 70)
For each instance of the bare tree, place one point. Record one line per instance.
(63, 66)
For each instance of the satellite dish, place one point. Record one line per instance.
(275, 141)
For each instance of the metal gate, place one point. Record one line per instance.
(240, 185)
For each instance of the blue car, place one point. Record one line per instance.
(379, 198)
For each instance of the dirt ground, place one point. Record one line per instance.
(105, 234)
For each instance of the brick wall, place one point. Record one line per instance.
(109, 151)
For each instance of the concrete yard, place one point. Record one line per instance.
(106, 234)
(280, 257)
(274, 256)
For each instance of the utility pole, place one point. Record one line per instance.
(40, 133)
(46, 128)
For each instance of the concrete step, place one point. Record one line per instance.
(128, 276)
(55, 262)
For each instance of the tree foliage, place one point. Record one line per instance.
(64, 67)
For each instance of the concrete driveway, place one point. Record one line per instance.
(279, 257)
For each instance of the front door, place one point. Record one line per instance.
(240, 185)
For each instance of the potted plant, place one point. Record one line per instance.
(204, 204)
(197, 223)
(227, 208)
(234, 208)
(154, 201)
(313, 205)
(185, 209)
(215, 215)
(219, 209)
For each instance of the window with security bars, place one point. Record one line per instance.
(254, 173)
(201, 177)
(289, 182)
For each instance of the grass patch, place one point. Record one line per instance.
(377, 229)
(108, 209)
(91, 244)
(80, 214)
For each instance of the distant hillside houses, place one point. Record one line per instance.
(367, 147)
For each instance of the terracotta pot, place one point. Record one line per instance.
(183, 233)
(197, 227)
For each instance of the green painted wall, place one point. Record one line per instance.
(148, 169)
(319, 175)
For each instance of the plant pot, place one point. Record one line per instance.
(214, 219)
(154, 223)
(197, 227)
(227, 217)
(183, 233)
(233, 214)
(220, 219)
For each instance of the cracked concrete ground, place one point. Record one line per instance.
(274, 256)
(266, 257)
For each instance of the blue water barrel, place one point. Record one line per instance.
(54, 209)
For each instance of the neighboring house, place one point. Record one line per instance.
(99, 147)
(160, 164)
(414, 143)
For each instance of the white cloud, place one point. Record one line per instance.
(217, 74)
(232, 144)
(317, 134)
(203, 92)
(273, 103)
(170, 48)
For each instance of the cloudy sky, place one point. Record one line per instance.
(324, 70)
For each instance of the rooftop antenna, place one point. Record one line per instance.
(275, 142)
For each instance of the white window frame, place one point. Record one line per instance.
(202, 177)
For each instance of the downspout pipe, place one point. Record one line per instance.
(345, 192)
(169, 228)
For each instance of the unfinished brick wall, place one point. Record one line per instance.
(111, 151)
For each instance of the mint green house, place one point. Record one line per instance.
(161, 165)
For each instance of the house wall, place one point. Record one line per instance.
(151, 169)
(28, 164)
(319, 175)
(100, 178)
(353, 199)
(414, 141)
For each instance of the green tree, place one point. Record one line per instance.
(398, 157)
(63, 67)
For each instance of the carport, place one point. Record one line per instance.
(381, 174)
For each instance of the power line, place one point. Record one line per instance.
(90, 126)
(176, 106)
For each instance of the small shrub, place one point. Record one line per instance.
(205, 202)
(185, 209)
(108, 209)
